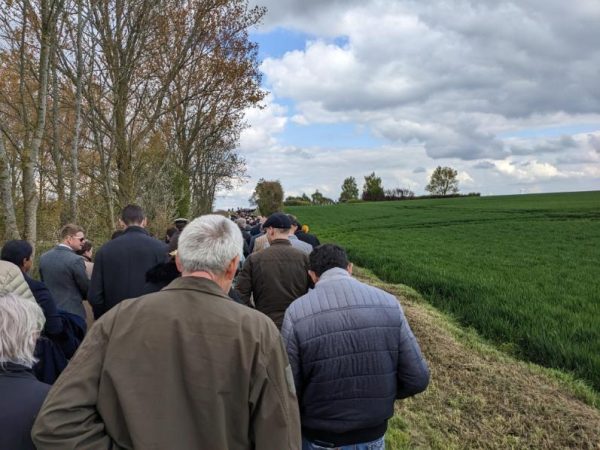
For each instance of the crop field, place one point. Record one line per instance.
(524, 271)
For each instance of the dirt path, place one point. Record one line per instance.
(481, 398)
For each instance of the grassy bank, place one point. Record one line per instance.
(524, 271)
(480, 397)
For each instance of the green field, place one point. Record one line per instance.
(524, 271)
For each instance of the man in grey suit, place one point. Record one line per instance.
(63, 271)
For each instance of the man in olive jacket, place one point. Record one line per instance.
(276, 276)
(182, 368)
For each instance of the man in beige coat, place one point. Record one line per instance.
(183, 368)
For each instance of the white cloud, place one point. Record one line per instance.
(529, 171)
(450, 75)
(264, 124)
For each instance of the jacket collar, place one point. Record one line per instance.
(336, 273)
(281, 242)
(11, 369)
(135, 229)
(64, 247)
(196, 284)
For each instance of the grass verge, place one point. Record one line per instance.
(480, 397)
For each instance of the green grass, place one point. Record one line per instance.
(522, 270)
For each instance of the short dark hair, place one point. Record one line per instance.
(171, 231)
(70, 229)
(16, 251)
(86, 246)
(132, 215)
(327, 256)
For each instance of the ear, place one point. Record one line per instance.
(313, 276)
(122, 224)
(144, 222)
(349, 268)
(178, 263)
(232, 268)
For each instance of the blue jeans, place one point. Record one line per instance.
(377, 444)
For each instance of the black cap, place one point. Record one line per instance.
(278, 220)
(294, 221)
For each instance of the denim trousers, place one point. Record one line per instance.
(377, 444)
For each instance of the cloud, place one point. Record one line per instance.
(528, 171)
(545, 146)
(594, 141)
(448, 75)
(484, 165)
(264, 124)
(419, 170)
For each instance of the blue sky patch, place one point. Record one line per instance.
(278, 42)
(334, 136)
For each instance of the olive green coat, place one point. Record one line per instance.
(183, 368)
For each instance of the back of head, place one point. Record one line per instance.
(132, 215)
(327, 256)
(209, 243)
(16, 251)
(278, 221)
(294, 221)
(21, 321)
(241, 222)
(85, 247)
(70, 229)
(181, 223)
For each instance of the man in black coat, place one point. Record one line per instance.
(121, 264)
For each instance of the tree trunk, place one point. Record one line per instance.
(11, 231)
(78, 95)
(55, 147)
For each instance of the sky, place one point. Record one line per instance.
(505, 92)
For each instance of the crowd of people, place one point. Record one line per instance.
(230, 333)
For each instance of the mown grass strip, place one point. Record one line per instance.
(480, 397)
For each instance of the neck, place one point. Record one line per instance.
(221, 281)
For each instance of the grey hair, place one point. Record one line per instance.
(21, 322)
(209, 243)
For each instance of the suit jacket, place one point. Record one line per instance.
(63, 272)
(120, 268)
(183, 368)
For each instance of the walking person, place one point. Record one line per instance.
(352, 354)
(121, 264)
(274, 277)
(63, 271)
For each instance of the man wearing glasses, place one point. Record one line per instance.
(63, 271)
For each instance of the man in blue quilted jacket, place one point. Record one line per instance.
(352, 354)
